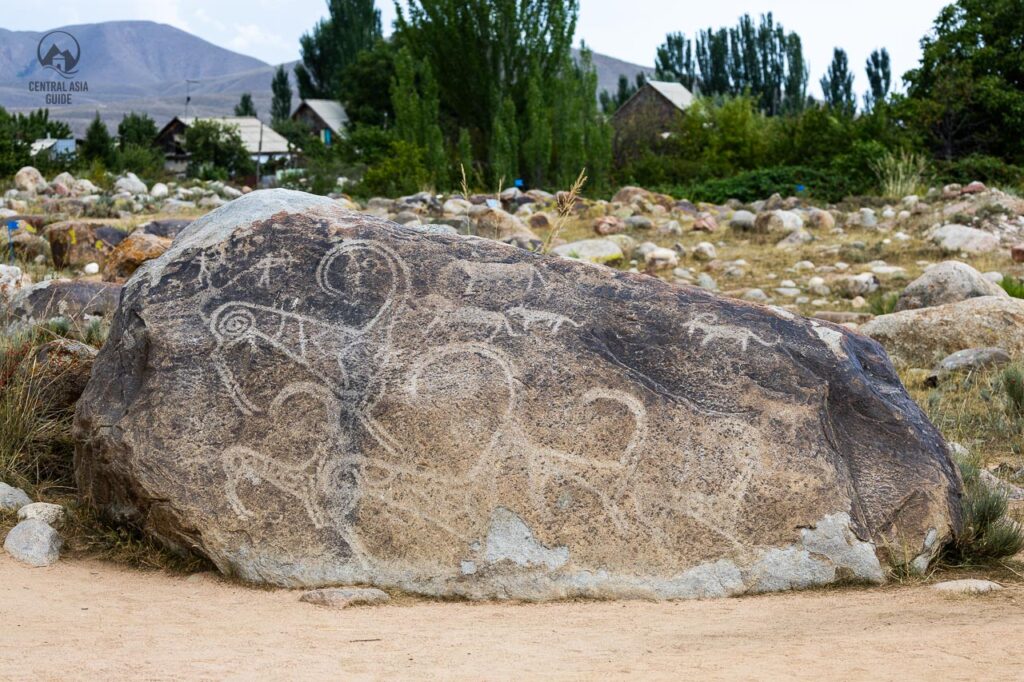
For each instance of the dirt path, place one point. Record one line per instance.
(85, 619)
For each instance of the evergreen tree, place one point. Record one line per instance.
(136, 129)
(674, 61)
(504, 159)
(98, 144)
(366, 87)
(497, 45)
(245, 106)
(597, 132)
(281, 104)
(351, 27)
(537, 132)
(414, 97)
(837, 84)
(569, 152)
(879, 77)
(760, 59)
(465, 152)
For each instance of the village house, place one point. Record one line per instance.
(324, 117)
(651, 113)
(260, 140)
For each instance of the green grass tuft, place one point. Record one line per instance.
(1013, 286)
(988, 533)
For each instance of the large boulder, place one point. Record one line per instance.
(922, 337)
(591, 250)
(76, 243)
(947, 282)
(130, 183)
(314, 397)
(136, 249)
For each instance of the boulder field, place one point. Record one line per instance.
(311, 397)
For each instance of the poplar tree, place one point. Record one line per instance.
(351, 27)
(837, 84)
(281, 104)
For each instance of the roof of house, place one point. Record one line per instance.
(676, 93)
(59, 145)
(329, 111)
(249, 129)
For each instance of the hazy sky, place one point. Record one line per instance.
(270, 29)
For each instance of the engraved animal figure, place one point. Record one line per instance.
(306, 480)
(713, 330)
(485, 278)
(468, 316)
(551, 321)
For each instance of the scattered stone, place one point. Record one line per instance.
(974, 188)
(1017, 253)
(851, 286)
(11, 498)
(947, 282)
(706, 281)
(705, 251)
(755, 295)
(494, 223)
(818, 219)
(661, 258)
(457, 417)
(168, 229)
(705, 222)
(963, 239)
(1012, 492)
(30, 180)
(795, 239)
(920, 337)
(967, 586)
(974, 358)
(50, 514)
(12, 280)
(639, 222)
(130, 183)
(591, 250)
(133, 251)
(159, 191)
(609, 224)
(778, 222)
(343, 597)
(91, 268)
(742, 220)
(34, 542)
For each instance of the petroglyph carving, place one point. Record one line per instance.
(713, 330)
(551, 321)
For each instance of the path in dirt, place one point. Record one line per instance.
(86, 619)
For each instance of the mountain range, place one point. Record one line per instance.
(143, 66)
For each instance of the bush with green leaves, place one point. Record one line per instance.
(216, 151)
(401, 172)
(1014, 286)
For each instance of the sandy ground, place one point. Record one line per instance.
(91, 620)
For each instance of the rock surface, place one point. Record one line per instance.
(947, 282)
(34, 542)
(960, 238)
(312, 397)
(133, 251)
(925, 336)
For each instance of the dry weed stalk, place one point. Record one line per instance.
(566, 201)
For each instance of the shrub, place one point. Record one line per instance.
(216, 151)
(899, 173)
(987, 169)
(760, 184)
(883, 303)
(988, 533)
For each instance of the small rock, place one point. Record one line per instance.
(661, 259)
(91, 268)
(609, 224)
(639, 222)
(30, 180)
(1017, 253)
(967, 586)
(1013, 493)
(705, 222)
(51, 514)
(343, 597)
(755, 295)
(742, 220)
(12, 498)
(34, 542)
(706, 281)
(705, 251)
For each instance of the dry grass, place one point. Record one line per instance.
(566, 204)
